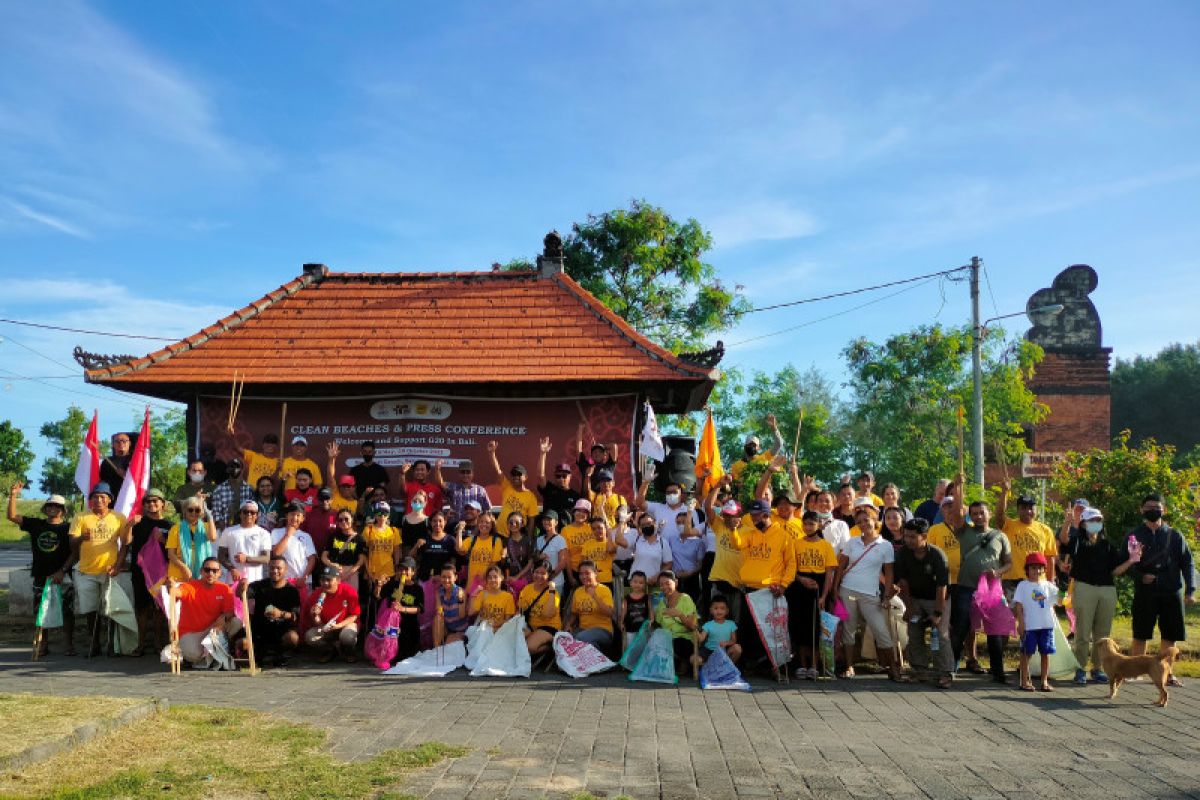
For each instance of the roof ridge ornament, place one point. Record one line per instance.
(97, 361)
(705, 358)
(550, 262)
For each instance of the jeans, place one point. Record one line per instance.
(961, 598)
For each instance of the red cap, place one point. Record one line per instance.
(1035, 558)
(346, 480)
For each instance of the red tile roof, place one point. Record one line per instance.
(423, 327)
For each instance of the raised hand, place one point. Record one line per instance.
(545, 444)
(778, 462)
(771, 421)
(491, 446)
(332, 449)
(16, 488)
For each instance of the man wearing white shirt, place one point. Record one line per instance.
(668, 511)
(244, 549)
(834, 531)
(295, 545)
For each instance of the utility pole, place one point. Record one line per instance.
(976, 373)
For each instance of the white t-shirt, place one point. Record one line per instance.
(252, 541)
(837, 533)
(1037, 604)
(550, 553)
(649, 557)
(296, 554)
(670, 529)
(870, 558)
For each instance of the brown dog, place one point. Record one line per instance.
(1121, 667)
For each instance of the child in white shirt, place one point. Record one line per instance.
(1033, 606)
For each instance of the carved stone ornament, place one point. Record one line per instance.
(552, 245)
(705, 358)
(96, 361)
(1077, 326)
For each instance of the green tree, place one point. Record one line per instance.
(1155, 397)
(65, 435)
(168, 449)
(649, 269)
(15, 456)
(906, 396)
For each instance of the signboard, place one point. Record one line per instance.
(411, 427)
(1039, 465)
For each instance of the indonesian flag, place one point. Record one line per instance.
(709, 456)
(137, 479)
(651, 444)
(87, 471)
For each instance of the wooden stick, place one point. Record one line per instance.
(235, 400)
(999, 445)
(282, 428)
(796, 446)
(37, 643)
(173, 628)
(962, 470)
(249, 638)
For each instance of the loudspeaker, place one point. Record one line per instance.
(679, 466)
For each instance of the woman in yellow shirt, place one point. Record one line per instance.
(490, 603)
(592, 609)
(539, 603)
(816, 564)
(482, 550)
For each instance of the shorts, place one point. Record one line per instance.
(1164, 609)
(89, 589)
(1040, 640)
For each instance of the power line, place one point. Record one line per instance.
(858, 291)
(928, 279)
(988, 280)
(81, 330)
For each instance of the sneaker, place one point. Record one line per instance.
(1081, 677)
(1173, 681)
(1098, 676)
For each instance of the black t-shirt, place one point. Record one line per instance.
(433, 555)
(636, 612)
(284, 598)
(368, 476)
(143, 531)
(49, 543)
(345, 552)
(410, 532)
(924, 575)
(1093, 562)
(413, 595)
(560, 500)
(109, 473)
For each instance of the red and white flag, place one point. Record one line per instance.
(87, 471)
(137, 477)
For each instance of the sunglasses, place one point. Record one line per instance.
(249, 512)
(191, 511)
(210, 569)
(513, 522)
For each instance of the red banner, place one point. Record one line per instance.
(408, 428)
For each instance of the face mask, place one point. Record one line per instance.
(825, 516)
(1093, 527)
(647, 530)
(368, 459)
(196, 477)
(1152, 515)
(418, 505)
(673, 498)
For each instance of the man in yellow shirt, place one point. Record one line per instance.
(299, 460)
(768, 562)
(265, 464)
(97, 551)
(1026, 534)
(346, 497)
(754, 453)
(514, 494)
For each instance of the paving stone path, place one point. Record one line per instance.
(551, 736)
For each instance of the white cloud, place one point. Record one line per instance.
(762, 220)
(49, 220)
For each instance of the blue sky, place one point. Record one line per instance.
(164, 163)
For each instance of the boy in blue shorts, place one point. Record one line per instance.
(1033, 606)
(719, 631)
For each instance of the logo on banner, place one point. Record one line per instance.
(410, 408)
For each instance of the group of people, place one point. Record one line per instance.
(316, 565)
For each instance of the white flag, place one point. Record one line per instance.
(651, 444)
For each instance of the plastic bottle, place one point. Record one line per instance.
(935, 640)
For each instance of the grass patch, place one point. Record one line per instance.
(10, 534)
(200, 751)
(33, 719)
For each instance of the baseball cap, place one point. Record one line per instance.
(731, 508)
(862, 502)
(473, 504)
(346, 480)
(550, 513)
(604, 475)
(155, 494)
(299, 440)
(1035, 558)
(408, 562)
(947, 500)
(517, 469)
(249, 505)
(758, 507)
(1026, 500)
(325, 493)
(59, 500)
(1081, 502)
(563, 467)
(381, 508)
(327, 572)
(753, 440)
(1091, 513)
(582, 505)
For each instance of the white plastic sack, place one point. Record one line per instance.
(119, 608)
(1062, 662)
(770, 614)
(435, 663)
(719, 672)
(501, 653)
(578, 659)
(897, 626)
(656, 664)
(49, 613)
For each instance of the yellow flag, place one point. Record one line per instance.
(709, 456)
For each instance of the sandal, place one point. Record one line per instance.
(945, 682)
(847, 673)
(1045, 687)
(1027, 687)
(975, 668)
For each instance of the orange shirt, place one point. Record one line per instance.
(201, 604)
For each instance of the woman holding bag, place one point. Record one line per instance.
(986, 554)
(862, 560)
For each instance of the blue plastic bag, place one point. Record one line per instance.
(657, 661)
(719, 672)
